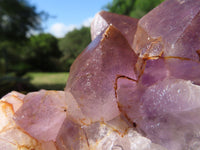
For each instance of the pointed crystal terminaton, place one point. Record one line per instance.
(171, 29)
(11, 136)
(114, 91)
(93, 74)
(126, 25)
(42, 114)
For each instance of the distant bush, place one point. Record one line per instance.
(42, 53)
(73, 44)
(132, 8)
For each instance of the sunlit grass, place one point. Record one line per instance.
(48, 80)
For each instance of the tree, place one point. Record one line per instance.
(123, 7)
(132, 8)
(142, 7)
(43, 53)
(73, 44)
(17, 19)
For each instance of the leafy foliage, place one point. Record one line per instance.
(12, 57)
(43, 53)
(21, 52)
(17, 18)
(133, 8)
(121, 7)
(73, 44)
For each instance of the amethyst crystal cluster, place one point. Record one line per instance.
(135, 87)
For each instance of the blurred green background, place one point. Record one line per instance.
(31, 62)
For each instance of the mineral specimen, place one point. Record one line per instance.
(93, 74)
(11, 136)
(125, 24)
(32, 116)
(171, 29)
(135, 87)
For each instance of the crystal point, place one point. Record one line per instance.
(42, 114)
(171, 29)
(135, 87)
(93, 74)
(124, 24)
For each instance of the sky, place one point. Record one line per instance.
(67, 15)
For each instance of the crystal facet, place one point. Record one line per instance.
(135, 87)
(171, 29)
(93, 74)
(124, 24)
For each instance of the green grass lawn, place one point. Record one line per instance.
(48, 80)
